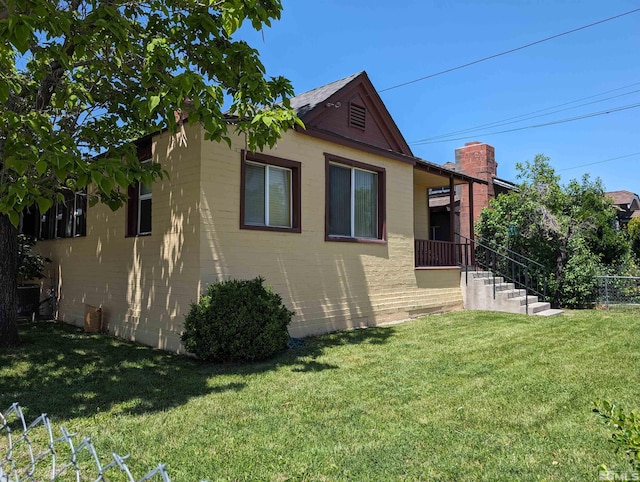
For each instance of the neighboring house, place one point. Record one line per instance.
(335, 218)
(474, 159)
(627, 205)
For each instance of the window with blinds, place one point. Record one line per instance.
(270, 193)
(353, 202)
(267, 192)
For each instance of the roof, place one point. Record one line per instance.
(621, 197)
(505, 184)
(306, 101)
(445, 172)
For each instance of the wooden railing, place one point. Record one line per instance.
(437, 253)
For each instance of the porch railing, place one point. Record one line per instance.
(476, 254)
(437, 253)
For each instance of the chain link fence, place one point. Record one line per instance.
(619, 291)
(32, 453)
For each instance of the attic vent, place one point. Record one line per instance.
(357, 116)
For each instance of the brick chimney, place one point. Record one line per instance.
(478, 160)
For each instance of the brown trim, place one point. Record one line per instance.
(346, 239)
(355, 144)
(433, 268)
(296, 190)
(452, 211)
(426, 166)
(132, 211)
(353, 163)
(144, 152)
(361, 84)
(382, 199)
(419, 164)
(471, 214)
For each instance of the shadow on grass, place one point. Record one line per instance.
(65, 373)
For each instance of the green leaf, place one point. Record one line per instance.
(4, 91)
(44, 204)
(154, 100)
(41, 167)
(22, 37)
(14, 217)
(230, 21)
(107, 185)
(121, 179)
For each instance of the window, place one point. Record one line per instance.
(139, 209)
(270, 193)
(140, 199)
(144, 209)
(354, 201)
(65, 219)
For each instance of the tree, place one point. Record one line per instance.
(569, 229)
(633, 228)
(81, 79)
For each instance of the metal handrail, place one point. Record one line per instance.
(522, 258)
(508, 267)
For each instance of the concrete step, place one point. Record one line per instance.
(523, 299)
(549, 312)
(505, 287)
(517, 293)
(506, 296)
(491, 280)
(536, 307)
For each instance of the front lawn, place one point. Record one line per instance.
(462, 396)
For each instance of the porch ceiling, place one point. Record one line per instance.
(432, 176)
(430, 180)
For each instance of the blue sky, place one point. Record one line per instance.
(317, 42)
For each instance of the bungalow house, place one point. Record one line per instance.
(627, 206)
(335, 218)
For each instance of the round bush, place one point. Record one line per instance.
(237, 320)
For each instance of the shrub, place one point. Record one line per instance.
(626, 435)
(580, 286)
(30, 266)
(237, 320)
(633, 228)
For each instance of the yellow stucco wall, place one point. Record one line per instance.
(146, 284)
(330, 285)
(421, 211)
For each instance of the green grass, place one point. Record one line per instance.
(462, 396)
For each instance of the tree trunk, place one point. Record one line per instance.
(8, 283)
(561, 262)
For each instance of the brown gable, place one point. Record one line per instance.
(350, 111)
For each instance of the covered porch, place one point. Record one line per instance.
(433, 245)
